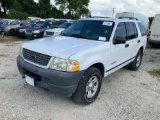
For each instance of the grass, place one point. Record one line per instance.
(155, 72)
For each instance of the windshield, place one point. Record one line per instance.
(65, 25)
(5, 23)
(46, 24)
(39, 24)
(14, 23)
(30, 24)
(90, 29)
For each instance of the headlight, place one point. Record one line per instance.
(36, 31)
(57, 33)
(21, 51)
(21, 30)
(64, 65)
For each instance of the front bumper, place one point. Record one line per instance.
(62, 83)
(154, 41)
(32, 35)
(21, 34)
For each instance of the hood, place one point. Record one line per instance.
(12, 26)
(55, 30)
(60, 46)
(36, 28)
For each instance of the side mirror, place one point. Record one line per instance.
(119, 40)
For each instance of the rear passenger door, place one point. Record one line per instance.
(132, 40)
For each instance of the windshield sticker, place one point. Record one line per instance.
(102, 38)
(107, 23)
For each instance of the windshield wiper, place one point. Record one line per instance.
(81, 36)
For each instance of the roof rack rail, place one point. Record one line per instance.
(100, 17)
(128, 18)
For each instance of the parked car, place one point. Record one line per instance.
(38, 30)
(75, 63)
(1, 28)
(57, 31)
(20, 31)
(9, 29)
(56, 24)
(155, 31)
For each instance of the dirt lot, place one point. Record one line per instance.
(125, 95)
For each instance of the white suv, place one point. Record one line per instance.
(74, 63)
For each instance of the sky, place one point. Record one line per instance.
(105, 7)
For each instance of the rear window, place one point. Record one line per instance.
(141, 27)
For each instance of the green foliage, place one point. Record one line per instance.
(155, 72)
(21, 9)
(44, 8)
(74, 8)
(14, 14)
(150, 21)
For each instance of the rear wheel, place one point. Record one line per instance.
(89, 86)
(151, 44)
(137, 61)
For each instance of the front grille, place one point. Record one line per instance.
(35, 57)
(28, 31)
(49, 33)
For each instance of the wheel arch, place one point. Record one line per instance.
(100, 67)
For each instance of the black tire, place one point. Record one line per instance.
(134, 65)
(151, 44)
(41, 35)
(80, 96)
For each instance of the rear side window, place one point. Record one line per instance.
(120, 31)
(131, 30)
(141, 27)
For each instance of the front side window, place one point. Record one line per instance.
(120, 31)
(90, 29)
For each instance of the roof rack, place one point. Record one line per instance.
(128, 18)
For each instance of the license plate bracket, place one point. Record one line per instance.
(29, 80)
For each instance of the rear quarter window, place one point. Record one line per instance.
(142, 30)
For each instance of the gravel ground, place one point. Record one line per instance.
(125, 95)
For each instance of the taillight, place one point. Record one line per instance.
(149, 34)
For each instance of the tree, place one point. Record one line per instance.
(55, 13)
(5, 5)
(44, 8)
(74, 8)
(150, 21)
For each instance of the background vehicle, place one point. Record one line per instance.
(9, 29)
(20, 31)
(57, 31)
(74, 63)
(155, 31)
(38, 30)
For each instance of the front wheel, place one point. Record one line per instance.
(137, 61)
(89, 86)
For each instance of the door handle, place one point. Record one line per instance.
(127, 45)
(138, 41)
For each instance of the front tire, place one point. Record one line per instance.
(89, 86)
(135, 65)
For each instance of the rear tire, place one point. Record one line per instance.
(151, 44)
(135, 65)
(88, 87)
